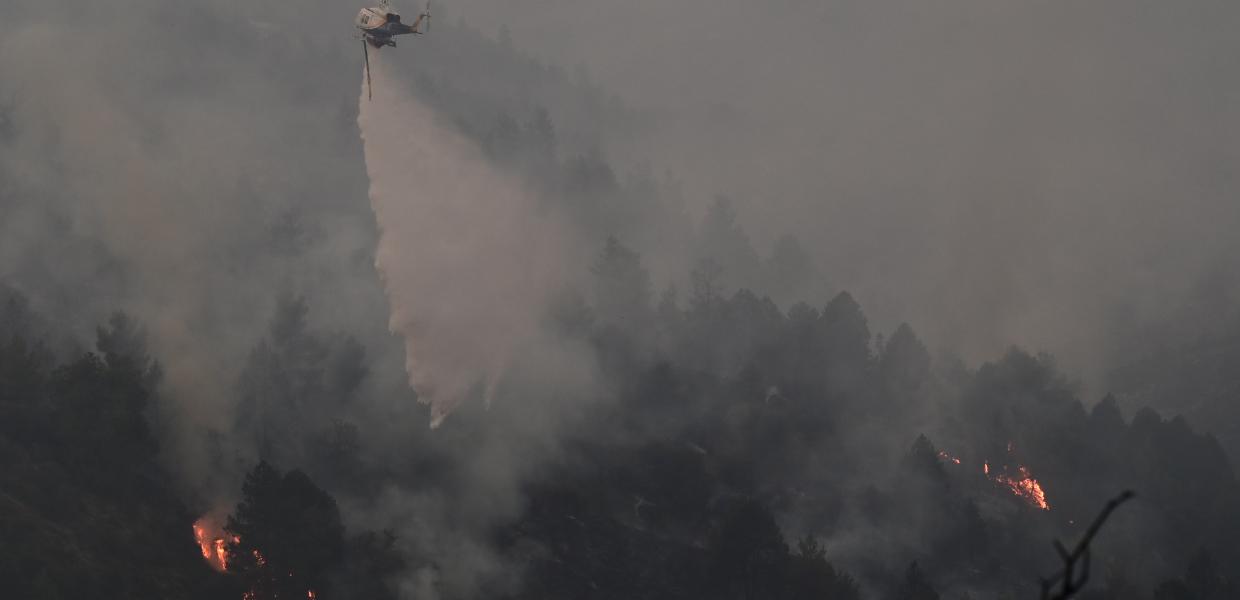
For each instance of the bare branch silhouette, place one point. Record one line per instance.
(1070, 580)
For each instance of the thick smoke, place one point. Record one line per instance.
(466, 255)
(994, 173)
(148, 182)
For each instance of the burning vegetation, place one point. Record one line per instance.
(213, 542)
(282, 538)
(1018, 480)
(1023, 485)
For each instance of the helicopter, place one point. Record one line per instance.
(379, 25)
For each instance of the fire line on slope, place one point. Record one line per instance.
(1018, 481)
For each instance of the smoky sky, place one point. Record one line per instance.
(995, 173)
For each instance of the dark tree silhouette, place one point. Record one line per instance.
(923, 461)
(372, 561)
(622, 289)
(904, 363)
(748, 553)
(810, 576)
(846, 330)
(915, 586)
(288, 535)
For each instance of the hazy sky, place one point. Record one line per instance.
(995, 172)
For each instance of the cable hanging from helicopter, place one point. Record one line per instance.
(379, 25)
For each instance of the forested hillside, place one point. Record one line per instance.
(743, 451)
(202, 393)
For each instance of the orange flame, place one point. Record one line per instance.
(1022, 484)
(200, 535)
(215, 552)
(1025, 486)
(211, 541)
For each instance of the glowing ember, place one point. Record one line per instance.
(945, 456)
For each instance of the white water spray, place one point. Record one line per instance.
(465, 255)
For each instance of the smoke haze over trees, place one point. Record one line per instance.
(834, 300)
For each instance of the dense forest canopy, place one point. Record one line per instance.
(204, 379)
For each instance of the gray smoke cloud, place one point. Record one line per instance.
(468, 259)
(139, 176)
(1036, 173)
(993, 173)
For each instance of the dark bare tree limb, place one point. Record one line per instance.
(1069, 580)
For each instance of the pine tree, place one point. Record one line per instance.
(287, 535)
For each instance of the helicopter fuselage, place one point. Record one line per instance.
(379, 26)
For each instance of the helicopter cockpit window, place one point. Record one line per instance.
(365, 19)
